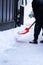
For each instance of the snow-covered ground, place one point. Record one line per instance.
(16, 50)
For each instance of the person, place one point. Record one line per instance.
(37, 6)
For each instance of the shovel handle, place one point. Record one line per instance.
(32, 25)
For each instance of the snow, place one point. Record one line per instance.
(13, 52)
(16, 50)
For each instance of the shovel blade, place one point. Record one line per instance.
(25, 32)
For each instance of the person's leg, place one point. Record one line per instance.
(37, 30)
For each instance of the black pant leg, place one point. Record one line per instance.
(37, 30)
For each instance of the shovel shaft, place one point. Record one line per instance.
(32, 25)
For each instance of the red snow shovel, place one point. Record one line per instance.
(26, 29)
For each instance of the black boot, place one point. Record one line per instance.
(33, 42)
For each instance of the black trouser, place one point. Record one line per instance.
(38, 13)
(37, 29)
